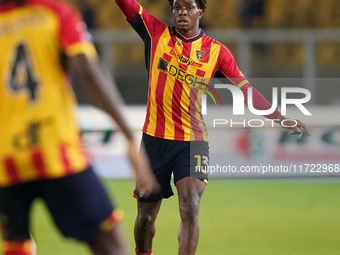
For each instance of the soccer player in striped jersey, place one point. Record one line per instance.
(180, 61)
(41, 153)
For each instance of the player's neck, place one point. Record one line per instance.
(188, 34)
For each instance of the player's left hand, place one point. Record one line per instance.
(145, 180)
(296, 125)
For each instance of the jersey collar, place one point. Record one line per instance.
(187, 39)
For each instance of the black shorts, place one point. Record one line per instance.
(182, 158)
(78, 203)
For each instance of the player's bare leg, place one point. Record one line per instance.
(145, 225)
(109, 243)
(190, 191)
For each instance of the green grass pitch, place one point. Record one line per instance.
(237, 217)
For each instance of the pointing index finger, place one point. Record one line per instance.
(306, 128)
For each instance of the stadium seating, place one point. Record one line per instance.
(300, 14)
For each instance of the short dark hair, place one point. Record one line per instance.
(202, 4)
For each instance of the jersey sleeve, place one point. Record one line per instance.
(130, 8)
(227, 65)
(74, 37)
(142, 22)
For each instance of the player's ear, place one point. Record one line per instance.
(200, 13)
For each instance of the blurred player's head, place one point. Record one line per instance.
(186, 15)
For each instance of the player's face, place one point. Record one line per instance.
(186, 15)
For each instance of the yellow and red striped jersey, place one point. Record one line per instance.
(180, 70)
(39, 136)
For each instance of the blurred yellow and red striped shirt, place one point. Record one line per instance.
(39, 135)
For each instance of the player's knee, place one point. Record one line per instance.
(189, 210)
(145, 220)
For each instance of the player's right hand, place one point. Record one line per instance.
(295, 125)
(145, 180)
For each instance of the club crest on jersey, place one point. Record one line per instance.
(199, 54)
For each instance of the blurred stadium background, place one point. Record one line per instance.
(277, 43)
(294, 43)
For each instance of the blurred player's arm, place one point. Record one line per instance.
(33, 244)
(100, 90)
(228, 66)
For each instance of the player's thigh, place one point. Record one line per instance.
(192, 161)
(15, 203)
(190, 189)
(79, 205)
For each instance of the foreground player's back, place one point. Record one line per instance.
(38, 133)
